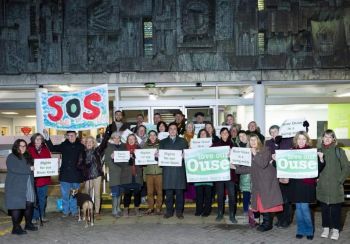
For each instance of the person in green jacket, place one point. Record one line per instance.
(154, 178)
(330, 190)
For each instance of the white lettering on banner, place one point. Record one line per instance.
(194, 165)
(45, 167)
(285, 164)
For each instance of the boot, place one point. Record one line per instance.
(17, 230)
(220, 216)
(119, 211)
(137, 212)
(267, 222)
(233, 217)
(114, 205)
(126, 212)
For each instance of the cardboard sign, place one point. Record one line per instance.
(80, 110)
(207, 164)
(145, 156)
(45, 167)
(121, 156)
(201, 143)
(171, 158)
(290, 127)
(241, 156)
(297, 164)
(163, 135)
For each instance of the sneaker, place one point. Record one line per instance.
(45, 220)
(325, 232)
(335, 234)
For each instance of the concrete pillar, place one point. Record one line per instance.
(39, 115)
(259, 106)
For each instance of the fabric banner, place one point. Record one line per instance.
(145, 156)
(80, 110)
(297, 164)
(45, 167)
(171, 158)
(241, 156)
(207, 164)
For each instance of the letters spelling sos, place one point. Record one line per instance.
(54, 102)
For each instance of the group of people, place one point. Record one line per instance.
(263, 193)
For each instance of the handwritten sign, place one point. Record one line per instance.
(163, 135)
(125, 134)
(145, 156)
(291, 126)
(80, 110)
(201, 143)
(45, 167)
(198, 127)
(150, 127)
(121, 156)
(170, 158)
(241, 156)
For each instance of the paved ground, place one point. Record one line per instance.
(156, 230)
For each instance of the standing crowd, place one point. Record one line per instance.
(263, 193)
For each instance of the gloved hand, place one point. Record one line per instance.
(306, 125)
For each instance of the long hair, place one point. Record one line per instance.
(260, 145)
(331, 133)
(162, 123)
(212, 126)
(301, 133)
(93, 141)
(34, 136)
(17, 153)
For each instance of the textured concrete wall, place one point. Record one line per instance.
(93, 36)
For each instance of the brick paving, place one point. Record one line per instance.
(156, 230)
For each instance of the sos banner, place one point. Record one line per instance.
(80, 110)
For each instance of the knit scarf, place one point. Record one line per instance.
(131, 149)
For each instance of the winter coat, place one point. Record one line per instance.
(43, 153)
(18, 172)
(330, 189)
(229, 143)
(72, 154)
(153, 169)
(174, 177)
(126, 176)
(113, 127)
(264, 180)
(115, 169)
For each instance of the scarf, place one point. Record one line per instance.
(131, 149)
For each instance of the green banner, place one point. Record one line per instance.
(297, 164)
(207, 164)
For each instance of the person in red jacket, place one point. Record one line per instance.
(38, 149)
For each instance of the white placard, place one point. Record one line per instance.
(198, 127)
(241, 156)
(201, 143)
(163, 135)
(150, 127)
(170, 158)
(121, 156)
(145, 156)
(290, 127)
(45, 167)
(218, 128)
(125, 134)
(139, 140)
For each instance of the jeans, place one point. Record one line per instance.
(42, 195)
(179, 201)
(331, 215)
(246, 201)
(304, 221)
(220, 190)
(69, 203)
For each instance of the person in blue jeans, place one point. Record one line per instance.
(70, 175)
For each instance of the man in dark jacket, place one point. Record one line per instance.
(253, 129)
(118, 125)
(174, 178)
(70, 176)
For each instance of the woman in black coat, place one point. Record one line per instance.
(19, 187)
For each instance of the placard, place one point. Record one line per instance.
(145, 156)
(297, 164)
(198, 127)
(121, 156)
(201, 143)
(163, 135)
(45, 167)
(241, 156)
(290, 127)
(171, 158)
(150, 127)
(207, 164)
(125, 134)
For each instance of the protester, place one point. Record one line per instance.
(303, 191)
(99, 136)
(203, 190)
(157, 118)
(229, 185)
(190, 193)
(37, 149)
(141, 134)
(174, 178)
(253, 128)
(230, 120)
(154, 178)
(199, 118)
(115, 170)
(92, 167)
(162, 127)
(118, 124)
(70, 175)
(19, 187)
(211, 130)
(266, 194)
(234, 133)
(330, 191)
(180, 122)
(189, 133)
(139, 121)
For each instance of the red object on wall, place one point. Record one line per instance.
(26, 130)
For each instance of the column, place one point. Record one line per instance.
(259, 106)
(39, 112)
